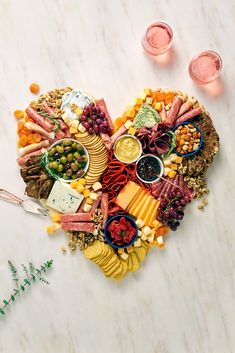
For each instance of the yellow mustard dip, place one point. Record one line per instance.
(127, 149)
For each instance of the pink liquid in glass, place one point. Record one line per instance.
(205, 67)
(157, 39)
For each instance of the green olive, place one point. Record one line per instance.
(51, 159)
(67, 142)
(74, 145)
(76, 155)
(69, 157)
(60, 149)
(69, 172)
(60, 168)
(63, 160)
(74, 176)
(65, 176)
(53, 165)
(74, 166)
(52, 151)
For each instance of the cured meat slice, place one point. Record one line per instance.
(173, 112)
(189, 115)
(104, 208)
(186, 106)
(87, 227)
(164, 186)
(22, 160)
(33, 147)
(76, 217)
(95, 204)
(121, 131)
(106, 140)
(42, 121)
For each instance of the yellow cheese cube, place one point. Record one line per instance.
(130, 113)
(132, 131)
(172, 174)
(89, 201)
(153, 244)
(158, 106)
(139, 101)
(86, 193)
(179, 159)
(81, 181)
(137, 243)
(73, 130)
(146, 230)
(80, 188)
(74, 184)
(156, 224)
(78, 111)
(174, 166)
(75, 123)
(147, 91)
(121, 251)
(130, 249)
(151, 238)
(55, 217)
(144, 237)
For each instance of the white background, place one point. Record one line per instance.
(183, 298)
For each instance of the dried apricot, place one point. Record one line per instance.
(160, 96)
(31, 138)
(34, 88)
(23, 140)
(37, 137)
(19, 114)
(20, 125)
(169, 97)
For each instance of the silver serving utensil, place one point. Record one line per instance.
(28, 205)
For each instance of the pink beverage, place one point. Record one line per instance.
(205, 67)
(157, 39)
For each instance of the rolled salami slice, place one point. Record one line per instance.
(186, 106)
(42, 121)
(22, 160)
(104, 207)
(173, 112)
(87, 227)
(76, 217)
(189, 115)
(33, 147)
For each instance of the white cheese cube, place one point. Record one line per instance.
(81, 128)
(124, 256)
(137, 243)
(172, 157)
(64, 199)
(93, 196)
(86, 207)
(66, 119)
(140, 233)
(146, 230)
(167, 163)
(128, 124)
(144, 237)
(97, 186)
(166, 171)
(139, 223)
(149, 100)
(74, 124)
(151, 238)
(160, 240)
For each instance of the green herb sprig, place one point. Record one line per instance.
(51, 118)
(32, 274)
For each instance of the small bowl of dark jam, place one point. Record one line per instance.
(149, 168)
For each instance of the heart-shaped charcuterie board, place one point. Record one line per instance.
(116, 189)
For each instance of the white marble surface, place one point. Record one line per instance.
(183, 299)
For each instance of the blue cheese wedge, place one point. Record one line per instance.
(146, 117)
(76, 97)
(63, 198)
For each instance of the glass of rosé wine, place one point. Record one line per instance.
(157, 39)
(205, 67)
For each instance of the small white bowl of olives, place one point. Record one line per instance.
(66, 160)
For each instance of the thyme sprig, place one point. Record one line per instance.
(32, 274)
(51, 118)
